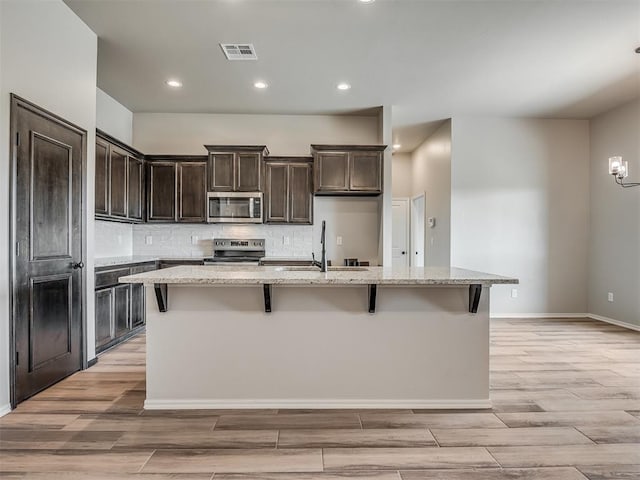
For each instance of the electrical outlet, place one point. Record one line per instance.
(286, 240)
(514, 293)
(119, 239)
(148, 240)
(610, 297)
(432, 240)
(338, 240)
(194, 239)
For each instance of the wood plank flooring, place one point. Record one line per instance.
(566, 397)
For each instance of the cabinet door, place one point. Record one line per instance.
(221, 172)
(102, 177)
(135, 194)
(118, 183)
(104, 317)
(137, 305)
(300, 195)
(121, 309)
(365, 171)
(248, 172)
(192, 191)
(162, 191)
(332, 172)
(277, 193)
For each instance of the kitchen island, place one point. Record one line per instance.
(295, 337)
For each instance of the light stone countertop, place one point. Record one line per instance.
(123, 260)
(250, 275)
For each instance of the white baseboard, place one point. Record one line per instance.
(186, 404)
(539, 315)
(5, 409)
(612, 321)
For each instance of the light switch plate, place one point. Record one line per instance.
(338, 240)
(194, 239)
(148, 240)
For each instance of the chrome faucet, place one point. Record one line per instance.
(323, 261)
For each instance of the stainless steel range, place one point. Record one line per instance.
(236, 251)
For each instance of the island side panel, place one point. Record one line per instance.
(215, 347)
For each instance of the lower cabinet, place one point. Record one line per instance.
(119, 308)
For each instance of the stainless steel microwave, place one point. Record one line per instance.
(234, 207)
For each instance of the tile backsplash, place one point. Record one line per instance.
(113, 239)
(184, 241)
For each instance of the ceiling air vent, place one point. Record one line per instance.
(239, 51)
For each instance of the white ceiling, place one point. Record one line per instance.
(430, 60)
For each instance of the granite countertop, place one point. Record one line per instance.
(125, 260)
(113, 261)
(250, 275)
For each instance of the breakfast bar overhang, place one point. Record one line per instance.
(279, 337)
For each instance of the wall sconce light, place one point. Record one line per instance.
(619, 168)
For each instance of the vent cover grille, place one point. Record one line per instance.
(239, 51)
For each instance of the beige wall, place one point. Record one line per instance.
(402, 171)
(432, 174)
(186, 133)
(520, 207)
(113, 117)
(48, 56)
(614, 234)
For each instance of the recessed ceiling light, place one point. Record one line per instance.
(174, 83)
(260, 85)
(367, 1)
(344, 86)
(396, 146)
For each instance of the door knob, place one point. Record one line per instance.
(404, 253)
(78, 265)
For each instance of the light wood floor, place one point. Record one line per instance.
(566, 397)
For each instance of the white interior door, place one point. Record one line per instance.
(400, 232)
(417, 230)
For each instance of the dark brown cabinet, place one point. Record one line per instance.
(236, 168)
(118, 183)
(192, 192)
(289, 190)
(177, 188)
(102, 177)
(161, 192)
(348, 169)
(119, 308)
(135, 185)
(119, 180)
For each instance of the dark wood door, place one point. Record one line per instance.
(104, 317)
(135, 189)
(221, 172)
(192, 192)
(300, 194)
(118, 183)
(277, 201)
(162, 192)
(365, 171)
(102, 177)
(49, 156)
(332, 172)
(248, 172)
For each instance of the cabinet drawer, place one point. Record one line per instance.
(143, 268)
(110, 277)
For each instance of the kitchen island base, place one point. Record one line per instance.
(216, 348)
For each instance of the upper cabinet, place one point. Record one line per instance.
(119, 192)
(348, 169)
(289, 190)
(177, 188)
(235, 168)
